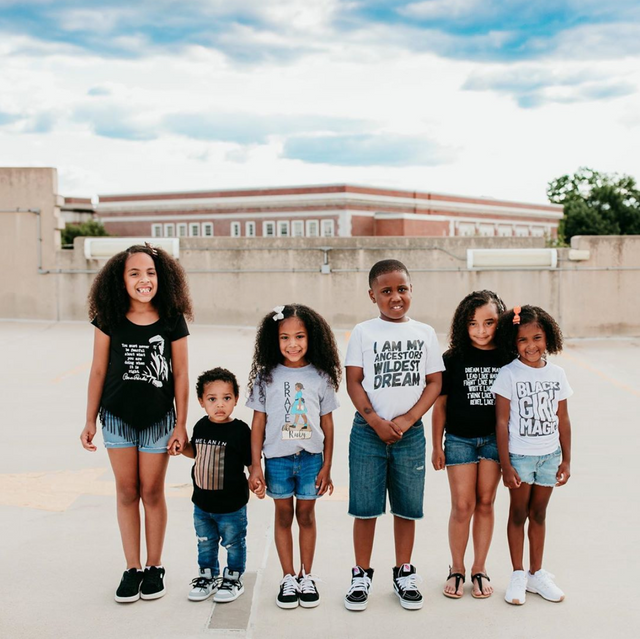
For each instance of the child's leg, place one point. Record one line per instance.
(152, 470)
(518, 513)
(404, 532)
(124, 462)
(364, 531)
(208, 539)
(282, 534)
(306, 518)
(233, 533)
(538, 502)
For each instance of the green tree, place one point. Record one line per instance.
(596, 203)
(86, 229)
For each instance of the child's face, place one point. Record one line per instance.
(531, 343)
(482, 327)
(293, 340)
(218, 400)
(140, 277)
(392, 293)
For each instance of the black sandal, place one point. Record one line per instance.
(459, 577)
(479, 576)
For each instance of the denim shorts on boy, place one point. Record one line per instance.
(221, 529)
(293, 475)
(469, 450)
(117, 434)
(537, 469)
(376, 467)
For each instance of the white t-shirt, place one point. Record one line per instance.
(534, 394)
(395, 358)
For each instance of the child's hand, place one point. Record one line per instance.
(323, 481)
(510, 477)
(257, 483)
(174, 448)
(403, 422)
(87, 435)
(260, 491)
(387, 431)
(563, 474)
(437, 459)
(177, 441)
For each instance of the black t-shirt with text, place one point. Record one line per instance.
(222, 451)
(467, 383)
(138, 387)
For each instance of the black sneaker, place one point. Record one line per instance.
(405, 582)
(309, 597)
(288, 595)
(153, 583)
(129, 588)
(358, 595)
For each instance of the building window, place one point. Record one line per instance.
(250, 229)
(194, 229)
(327, 228)
(170, 230)
(268, 229)
(283, 229)
(504, 230)
(538, 231)
(297, 228)
(235, 229)
(156, 230)
(522, 231)
(313, 229)
(486, 230)
(207, 229)
(466, 229)
(182, 229)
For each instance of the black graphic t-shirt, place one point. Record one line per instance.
(467, 383)
(138, 387)
(222, 451)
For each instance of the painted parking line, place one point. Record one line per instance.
(81, 368)
(235, 615)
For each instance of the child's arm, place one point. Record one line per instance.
(256, 476)
(431, 392)
(180, 364)
(99, 366)
(188, 451)
(438, 417)
(387, 431)
(510, 477)
(260, 491)
(323, 480)
(564, 429)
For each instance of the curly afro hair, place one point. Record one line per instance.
(108, 298)
(459, 341)
(322, 349)
(217, 374)
(507, 332)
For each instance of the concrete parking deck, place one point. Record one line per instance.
(62, 559)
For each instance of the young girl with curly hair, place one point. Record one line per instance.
(465, 411)
(138, 303)
(295, 371)
(534, 440)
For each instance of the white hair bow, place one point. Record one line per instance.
(278, 313)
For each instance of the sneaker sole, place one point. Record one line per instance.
(200, 598)
(309, 604)
(535, 592)
(227, 599)
(350, 605)
(515, 602)
(127, 599)
(286, 605)
(155, 595)
(410, 605)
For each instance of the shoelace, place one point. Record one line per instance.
(201, 582)
(410, 582)
(227, 584)
(359, 583)
(289, 586)
(546, 577)
(307, 585)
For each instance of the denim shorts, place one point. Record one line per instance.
(537, 469)
(117, 434)
(469, 450)
(293, 475)
(376, 468)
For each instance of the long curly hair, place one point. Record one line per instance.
(459, 340)
(507, 332)
(322, 350)
(108, 298)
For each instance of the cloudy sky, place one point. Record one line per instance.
(470, 97)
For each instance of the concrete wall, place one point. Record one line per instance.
(234, 281)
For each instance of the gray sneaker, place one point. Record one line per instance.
(230, 588)
(204, 585)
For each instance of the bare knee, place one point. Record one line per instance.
(306, 518)
(128, 495)
(484, 505)
(538, 515)
(152, 495)
(462, 510)
(284, 516)
(518, 516)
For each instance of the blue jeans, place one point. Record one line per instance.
(376, 467)
(293, 475)
(227, 529)
(469, 450)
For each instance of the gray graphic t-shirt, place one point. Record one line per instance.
(294, 402)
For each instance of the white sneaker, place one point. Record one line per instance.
(204, 585)
(517, 590)
(230, 588)
(308, 596)
(541, 583)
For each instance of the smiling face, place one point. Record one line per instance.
(218, 400)
(531, 343)
(140, 277)
(293, 340)
(482, 327)
(392, 293)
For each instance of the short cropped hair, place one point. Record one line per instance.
(217, 375)
(386, 266)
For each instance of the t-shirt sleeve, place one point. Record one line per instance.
(179, 329)
(355, 356)
(434, 355)
(328, 399)
(256, 402)
(502, 385)
(446, 374)
(565, 390)
(99, 326)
